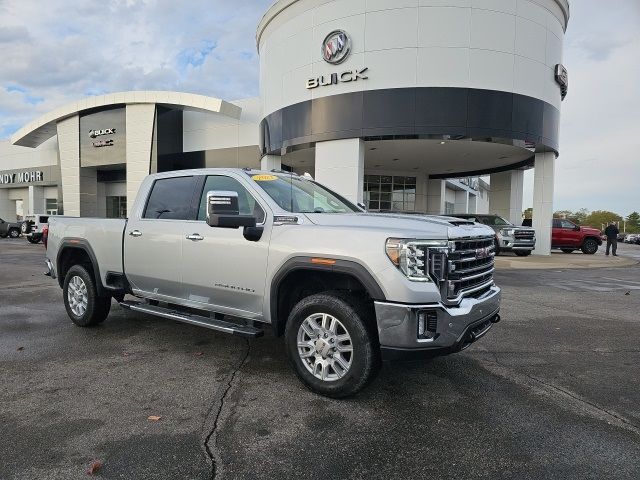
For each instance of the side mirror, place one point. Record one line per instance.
(576, 228)
(223, 211)
(362, 206)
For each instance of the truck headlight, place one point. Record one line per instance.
(412, 256)
(507, 232)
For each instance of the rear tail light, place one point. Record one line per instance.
(45, 235)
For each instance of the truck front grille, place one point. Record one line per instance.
(524, 234)
(471, 267)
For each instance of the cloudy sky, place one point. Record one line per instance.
(51, 54)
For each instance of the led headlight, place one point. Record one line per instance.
(507, 232)
(411, 256)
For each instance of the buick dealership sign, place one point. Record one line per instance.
(562, 79)
(336, 47)
(104, 131)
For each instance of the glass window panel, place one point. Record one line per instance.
(385, 205)
(398, 206)
(386, 179)
(171, 199)
(386, 197)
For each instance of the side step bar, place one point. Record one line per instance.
(202, 321)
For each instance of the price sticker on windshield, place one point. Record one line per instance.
(264, 178)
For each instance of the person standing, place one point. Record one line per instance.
(612, 238)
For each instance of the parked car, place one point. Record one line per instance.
(32, 227)
(508, 237)
(622, 237)
(568, 237)
(9, 229)
(236, 250)
(631, 238)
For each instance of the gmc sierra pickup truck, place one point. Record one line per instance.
(235, 250)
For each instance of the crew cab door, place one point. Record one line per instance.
(153, 243)
(568, 233)
(222, 270)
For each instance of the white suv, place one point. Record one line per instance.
(32, 227)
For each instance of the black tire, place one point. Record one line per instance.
(33, 239)
(522, 253)
(97, 308)
(496, 247)
(353, 314)
(568, 250)
(590, 246)
(14, 233)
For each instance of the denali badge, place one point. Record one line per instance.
(336, 47)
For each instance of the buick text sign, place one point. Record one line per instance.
(21, 177)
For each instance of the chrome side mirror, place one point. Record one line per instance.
(223, 211)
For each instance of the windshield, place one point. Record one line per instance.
(299, 195)
(493, 221)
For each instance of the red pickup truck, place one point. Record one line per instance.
(567, 236)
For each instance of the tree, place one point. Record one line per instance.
(580, 216)
(598, 218)
(563, 214)
(633, 222)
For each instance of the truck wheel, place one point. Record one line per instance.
(14, 233)
(330, 345)
(589, 247)
(84, 307)
(523, 253)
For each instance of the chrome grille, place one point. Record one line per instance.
(524, 234)
(470, 268)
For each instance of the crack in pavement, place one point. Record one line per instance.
(212, 452)
(582, 404)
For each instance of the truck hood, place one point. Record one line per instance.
(590, 230)
(411, 225)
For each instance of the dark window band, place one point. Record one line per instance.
(423, 112)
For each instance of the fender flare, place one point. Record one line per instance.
(81, 244)
(354, 269)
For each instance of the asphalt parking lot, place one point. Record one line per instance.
(553, 391)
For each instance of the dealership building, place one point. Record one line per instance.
(403, 105)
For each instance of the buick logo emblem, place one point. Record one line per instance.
(336, 47)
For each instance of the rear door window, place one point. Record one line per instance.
(171, 199)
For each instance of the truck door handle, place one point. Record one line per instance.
(195, 237)
(135, 233)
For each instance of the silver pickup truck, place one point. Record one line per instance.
(236, 250)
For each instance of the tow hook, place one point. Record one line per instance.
(495, 319)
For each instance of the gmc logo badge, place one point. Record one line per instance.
(483, 252)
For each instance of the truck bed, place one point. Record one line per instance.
(103, 236)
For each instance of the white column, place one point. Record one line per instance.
(505, 198)
(7, 206)
(69, 153)
(435, 197)
(140, 122)
(36, 200)
(543, 184)
(340, 166)
(271, 162)
(473, 203)
(462, 202)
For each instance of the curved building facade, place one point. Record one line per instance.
(399, 104)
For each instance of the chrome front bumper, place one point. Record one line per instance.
(398, 323)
